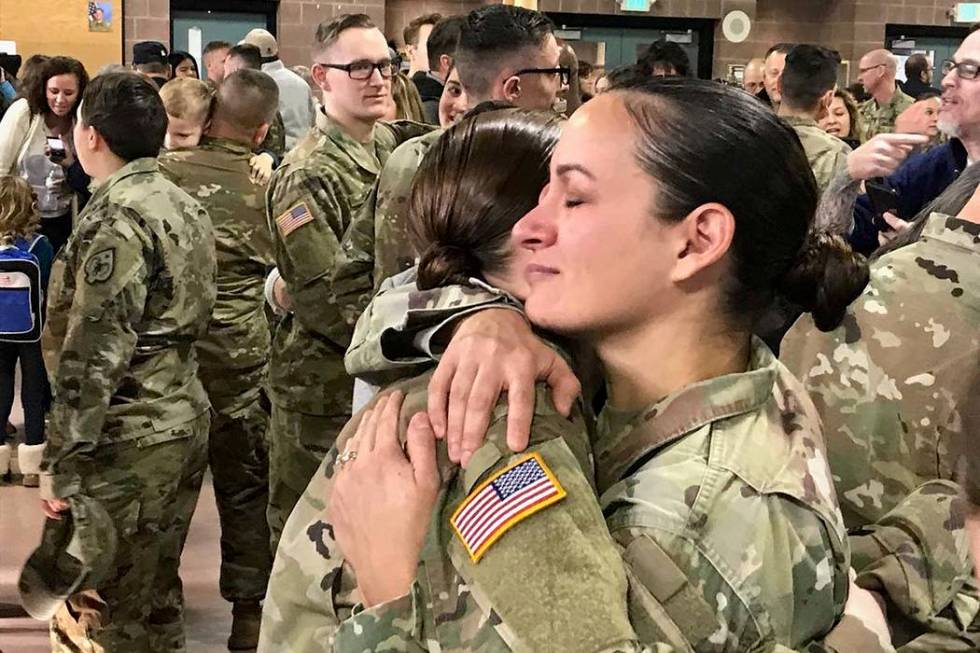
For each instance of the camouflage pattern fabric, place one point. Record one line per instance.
(378, 240)
(275, 138)
(559, 561)
(892, 384)
(233, 355)
(133, 291)
(827, 154)
(310, 203)
(881, 119)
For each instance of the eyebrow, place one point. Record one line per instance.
(566, 168)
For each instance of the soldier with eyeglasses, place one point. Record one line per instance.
(321, 184)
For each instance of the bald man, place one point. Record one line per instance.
(754, 77)
(876, 72)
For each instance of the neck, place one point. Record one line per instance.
(639, 371)
(108, 166)
(54, 121)
(884, 93)
(786, 111)
(360, 130)
(221, 129)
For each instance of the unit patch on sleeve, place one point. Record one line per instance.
(505, 499)
(293, 219)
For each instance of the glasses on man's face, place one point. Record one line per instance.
(864, 70)
(964, 69)
(563, 72)
(362, 70)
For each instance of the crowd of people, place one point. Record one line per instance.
(489, 349)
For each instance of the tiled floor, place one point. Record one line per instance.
(208, 616)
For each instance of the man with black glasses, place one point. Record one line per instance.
(922, 178)
(320, 185)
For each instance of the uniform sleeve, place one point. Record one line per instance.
(352, 278)
(307, 216)
(398, 330)
(917, 556)
(392, 626)
(111, 278)
(405, 130)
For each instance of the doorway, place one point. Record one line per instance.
(194, 24)
(938, 43)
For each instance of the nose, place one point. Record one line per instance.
(536, 230)
(949, 79)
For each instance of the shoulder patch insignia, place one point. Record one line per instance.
(294, 218)
(503, 500)
(99, 266)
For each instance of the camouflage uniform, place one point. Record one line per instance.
(132, 292)
(891, 384)
(677, 491)
(378, 238)
(877, 119)
(233, 356)
(275, 138)
(312, 197)
(827, 154)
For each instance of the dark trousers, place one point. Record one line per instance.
(56, 230)
(34, 387)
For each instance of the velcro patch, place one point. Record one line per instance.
(99, 266)
(293, 219)
(505, 499)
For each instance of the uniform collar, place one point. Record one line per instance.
(800, 121)
(145, 165)
(225, 144)
(685, 411)
(363, 154)
(953, 231)
(896, 98)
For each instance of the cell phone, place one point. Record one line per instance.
(884, 199)
(56, 146)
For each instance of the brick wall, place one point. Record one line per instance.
(851, 26)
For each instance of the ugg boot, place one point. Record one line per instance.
(29, 460)
(245, 619)
(5, 452)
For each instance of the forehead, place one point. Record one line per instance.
(358, 43)
(62, 81)
(594, 136)
(776, 59)
(550, 52)
(969, 49)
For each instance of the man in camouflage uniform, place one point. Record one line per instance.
(312, 197)
(877, 73)
(894, 385)
(129, 419)
(807, 87)
(495, 42)
(234, 353)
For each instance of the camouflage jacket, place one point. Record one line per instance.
(130, 295)
(678, 599)
(378, 241)
(892, 384)
(218, 175)
(877, 119)
(507, 600)
(275, 138)
(827, 154)
(310, 202)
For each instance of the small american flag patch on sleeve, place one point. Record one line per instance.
(294, 218)
(506, 498)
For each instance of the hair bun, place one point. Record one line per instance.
(443, 265)
(827, 277)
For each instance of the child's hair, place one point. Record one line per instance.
(18, 210)
(188, 99)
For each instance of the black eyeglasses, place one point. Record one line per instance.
(964, 69)
(564, 72)
(362, 70)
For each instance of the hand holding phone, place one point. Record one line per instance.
(884, 199)
(56, 149)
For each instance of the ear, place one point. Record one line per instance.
(319, 74)
(511, 89)
(445, 61)
(260, 134)
(704, 238)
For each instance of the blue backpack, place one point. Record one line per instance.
(20, 295)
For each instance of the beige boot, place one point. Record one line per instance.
(245, 619)
(5, 453)
(29, 459)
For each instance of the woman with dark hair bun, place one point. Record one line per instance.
(541, 546)
(36, 142)
(658, 246)
(896, 386)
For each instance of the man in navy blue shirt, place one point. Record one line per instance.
(925, 176)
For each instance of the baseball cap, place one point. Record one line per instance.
(76, 552)
(264, 41)
(149, 52)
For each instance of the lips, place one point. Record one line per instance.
(535, 272)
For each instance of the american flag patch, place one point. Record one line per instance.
(293, 219)
(503, 500)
